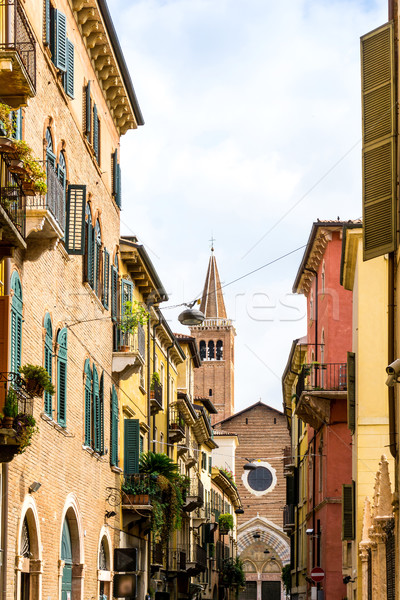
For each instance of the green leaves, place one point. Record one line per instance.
(133, 315)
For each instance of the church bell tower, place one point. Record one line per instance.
(215, 338)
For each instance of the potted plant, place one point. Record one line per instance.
(155, 382)
(225, 523)
(232, 574)
(10, 410)
(7, 144)
(25, 427)
(35, 175)
(37, 380)
(133, 315)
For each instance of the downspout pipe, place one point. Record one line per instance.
(4, 493)
(154, 364)
(168, 403)
(391, 356)
(314, 272)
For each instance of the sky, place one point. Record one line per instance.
(252, 132)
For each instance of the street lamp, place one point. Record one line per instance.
(256, 536)
(191, 316)
(249, 466)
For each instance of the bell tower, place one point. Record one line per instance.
(215, 338)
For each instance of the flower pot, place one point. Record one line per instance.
(17, 166)
(152, 394)
(223, 529)
(8, 422)
(28, 188)
(34, 388)
(124, 348)
(6, 145)
(136, 499)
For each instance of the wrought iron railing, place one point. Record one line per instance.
(198, 555)
(139, 488)
(177, 559)
(288, 516)
(24, 398)
(12, 198)
(196, 488)
(16, 34)
(157, 554)
(156, 394)
(176, 421)
(53, 201)
(322, 376)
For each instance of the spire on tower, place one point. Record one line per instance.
(212, 300)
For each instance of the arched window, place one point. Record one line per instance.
(104, 566)
(62, 377)
(62, 170)
(88, 404)
(219, 352)
(25, 540)
(210, 350)
(16, 322)
(50, 156)
(103, 562)
(97, 258)
(66, 556)
(48, 362)
(203, 350)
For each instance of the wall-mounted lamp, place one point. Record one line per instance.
(249, 466)
(239, 511)
(256, 536)
(34, 487)
(110, 513)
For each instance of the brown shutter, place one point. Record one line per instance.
(351, 391)
(348, 519)
(378, 154)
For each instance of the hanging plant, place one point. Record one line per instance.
(225, 522)
(25, 427)
(37, 379)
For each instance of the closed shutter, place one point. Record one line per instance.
(69, 76)
(114, 293)
(60, 40)
(209, 465)
(379, 154)
(106, 277)
(95, 132)
(119, 193)
(88, 112)
(4, 340)
(351, 391)
(96, 411)
(114, 427)
(90, 252)
(116, 179)
(348, 512)
(101, 416)
(62, 377)
(16, 323)
(88, 404)
(47, 22)
(131, 446)
(17, 124)
(48, 363)
(75, 222)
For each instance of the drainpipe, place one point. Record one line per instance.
(154, 363)
(148, 385)
(316, 310)
(391, 356)
(168, 401)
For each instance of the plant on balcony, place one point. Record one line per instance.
(154, 383)
(25, 426)
(10, 409)
(35, 172)
(133, 315)
(229, 475)
(232, 574)
(225, 523)
(5, 120)
(37, 380)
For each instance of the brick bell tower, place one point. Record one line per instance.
(216, 339)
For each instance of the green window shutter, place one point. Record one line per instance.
(88, 112)
(106, 277)
(114, 427)
(95, 133)
(118, 197)
(69, 75)
(88, 404)
(378, 153)
(348, 516)
(209, 464)
(75, 220)
(131, 446)
(47, 22)
(90, 252)
(16, 119)
(48, 363)
(16, 322)
(62, 377)
(114, 293)
(97, 257)
(351, 391)
(96, 410)
(126, 292)
(60, 40)
(116, 179)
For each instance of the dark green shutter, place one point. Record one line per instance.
(47, 22)
(106, 276)
(75, 219)
(60, 54)
(16, 119)
(69, 76)
(141, 445)
(95, 133)
(118, 195)
(114, 293)
(16, 322)
(348, 516)
(96, 410)
(114, 427)
(88, 112)
(116, 178)
(100, 432)
(62, 378)
(88, 404)
(48, 363)
(90, 252)
(351, 391)
(131, 446)
(209, 465)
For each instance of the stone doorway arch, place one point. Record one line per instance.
(28, 565)
(71, 567)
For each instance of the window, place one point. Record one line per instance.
(62, 49)
(204, 461)
(114, 427)
(89, 246)
(97, 256)
(106, 278)
(50, 156)
(48, 362)
(16, 118)
(16, 323)
(219, 350)
(203, 350)
(62, 171)
(210, 350)
(88, 403)
(260, 479)
(62, 377)
(209, 464)
(114, 290)
(92, 123)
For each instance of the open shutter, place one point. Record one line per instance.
(88, 404)
(348, 512)
(90, 252)
(114, 293)
(351, 391)
(47, 22)
(4, 340)
(96, 410)
(62, 378)
(106, 277)
(95, 132)
(75, 221)
(116, 179)
(114, 427)
(131, 446)
(101, 423)
(48, 364)
(69, 76)
(60, 54)
(88, 112)
(379, 153)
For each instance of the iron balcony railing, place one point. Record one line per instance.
(194, 495)
(156, 394)
(222, 554)
(16, 34)
(176, 423)
(139, 488)
(157, 554)
(177, 559)
(197, 556)
(322, 376)
(133, 340)
(53, 201)
(12, 198)
(288, 516)
(24, 397)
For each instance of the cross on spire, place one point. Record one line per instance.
(212, 240)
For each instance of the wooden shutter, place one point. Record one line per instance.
(351, 391)
(4, 341)
(62, 378)
(114, 427)
(69, 76)
(16, 323)
(348, 511)
(88, 112)
(95, 132)
(60, 50)
(131, 446)
(97, 426)
(379, 153)
(102, 413)
(114, 293)
(47, 22)
(118, 198)
(75, 221)
(106, 277)
(88, 404)
(90, 253)
(209, 465)
(48, 363)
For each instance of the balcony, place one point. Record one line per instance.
(192, 455)
(288, 518)
(157, 555)
(45, 215)
(288, 461)
(201, 515)
(9, 444)
(136, 498)
(194, 496)
(176, 425)
(196, 560)
(17, 55)
(223, 553)
(177, 559)
(156, 396)
(319, 384)
(130, 354)
(12, 210)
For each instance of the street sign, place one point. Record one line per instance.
(317, 574)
